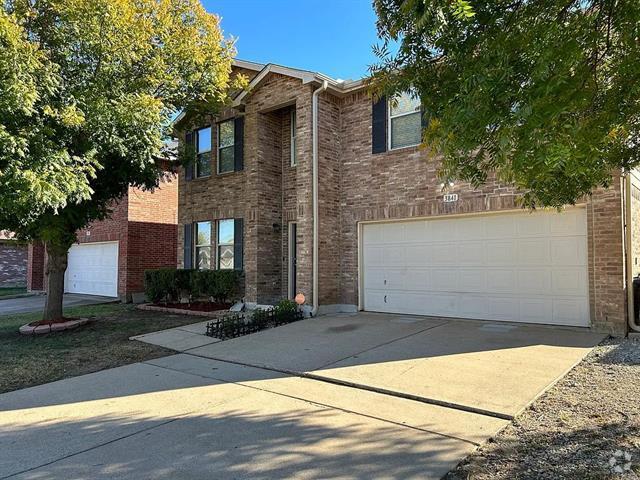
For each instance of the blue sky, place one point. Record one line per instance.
(331, 36)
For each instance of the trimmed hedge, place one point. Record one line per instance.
(169, 284)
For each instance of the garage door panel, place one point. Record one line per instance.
(569, 311)
(472, 280)
(532, 225)
(419, 255)
(418, 279)
(500, 252)
(570, 250)
(470, 253)
(533, 251)
(500, 226)
(92, 268)
(570, 222)
(444, 280)
(471, 229)
(393, 256)
(501, 280)
(443, 253)
(373, 255)
(413, 230)
(536, 310)
(569, 281)
(534, 281)
(514, 267)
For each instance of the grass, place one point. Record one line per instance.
(6, 291)
(102, 343)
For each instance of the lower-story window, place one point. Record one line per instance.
(218, 244)
(203, 243)
(226, 237)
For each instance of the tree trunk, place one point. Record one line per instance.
(56, 266)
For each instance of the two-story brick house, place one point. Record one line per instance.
(390, 237)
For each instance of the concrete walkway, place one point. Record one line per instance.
(194, 416)
(35, 303)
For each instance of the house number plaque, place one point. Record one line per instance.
(450, 197)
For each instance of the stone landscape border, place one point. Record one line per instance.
(180, 311)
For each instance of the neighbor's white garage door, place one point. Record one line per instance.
(517, 267)
(93, 269)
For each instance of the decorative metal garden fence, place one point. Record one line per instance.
(238, 324)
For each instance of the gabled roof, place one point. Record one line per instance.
(336, 86)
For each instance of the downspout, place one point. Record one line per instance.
(314, 174)
(628, 253)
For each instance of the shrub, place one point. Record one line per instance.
(286, 310)
(160, 285)
(168, 283)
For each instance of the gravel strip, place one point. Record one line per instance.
(586, 427)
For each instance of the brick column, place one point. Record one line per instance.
(35, 267)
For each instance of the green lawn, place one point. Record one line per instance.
(6, 291)
(103, 343)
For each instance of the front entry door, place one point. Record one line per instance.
(293, 259)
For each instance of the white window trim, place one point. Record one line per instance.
(219, 148)
(389, 118)
(292, 133)
(196, 169)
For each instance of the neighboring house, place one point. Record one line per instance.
(391, 237)
(13, 261)
(111, 255)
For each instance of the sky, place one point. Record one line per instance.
(333, 37)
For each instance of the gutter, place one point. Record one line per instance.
(631, 319)
(314, 174)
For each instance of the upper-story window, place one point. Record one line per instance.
(405, 121)
(203, 152)
(226, 135)
(293, 137)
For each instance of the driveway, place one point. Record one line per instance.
(353, 396)
(36, 302)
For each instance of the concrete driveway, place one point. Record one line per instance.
(36, 302)
(362, 396)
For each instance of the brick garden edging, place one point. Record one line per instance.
(180, 311)
(52, 327)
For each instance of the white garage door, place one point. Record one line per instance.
(517, 267)
(93, 269)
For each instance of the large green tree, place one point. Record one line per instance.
(87, 92)
(543, 93)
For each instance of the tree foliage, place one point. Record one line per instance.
(87, 92)
(544, 93)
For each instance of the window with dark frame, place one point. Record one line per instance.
(203, 242)
(203, 152)
(293, 137)
(226, 146)
(405, 121)
(216, 246)
(225, 246)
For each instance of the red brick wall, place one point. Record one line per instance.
(13, 264)
(144, 225)
(35, 267)
(152, 232)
